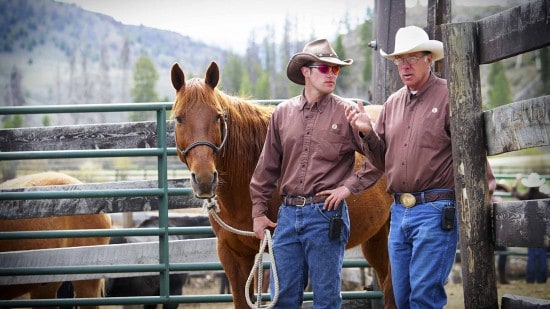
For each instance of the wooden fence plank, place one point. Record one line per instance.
(522, 223)
(181, 251)
(518, 30)
(518, 125)
(85, 137)
(19, 209)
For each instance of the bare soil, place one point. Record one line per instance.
(197, 286)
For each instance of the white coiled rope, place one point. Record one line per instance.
(211, 206)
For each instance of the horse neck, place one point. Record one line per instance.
(247, 126)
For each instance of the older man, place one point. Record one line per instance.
(411, 142)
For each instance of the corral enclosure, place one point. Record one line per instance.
(517, 126)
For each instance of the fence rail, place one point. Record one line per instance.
(143, 139)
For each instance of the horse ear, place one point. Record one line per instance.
(212, 75)
(178, 78)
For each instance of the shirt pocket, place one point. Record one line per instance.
(329, 144)
(433, 134)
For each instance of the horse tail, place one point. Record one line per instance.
(102, 291)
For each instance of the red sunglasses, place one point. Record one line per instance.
(325, 69)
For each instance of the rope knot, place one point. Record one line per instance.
(210, 204)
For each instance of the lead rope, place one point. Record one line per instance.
(212, 208)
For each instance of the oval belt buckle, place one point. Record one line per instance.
(408, 200)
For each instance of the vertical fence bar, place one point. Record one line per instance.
(162, 164)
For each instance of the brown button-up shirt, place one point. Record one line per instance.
(411, 140)
(310, 147)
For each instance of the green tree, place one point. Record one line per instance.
(233, 74)
(46, 121)
(366, 31)
(145, 79)
(343, 77)
(263, 89)
(545, 69)
(15, 121)
(499, 88)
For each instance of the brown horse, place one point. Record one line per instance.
(82, 288)
(220, 138)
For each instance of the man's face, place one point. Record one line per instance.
(414, 69)
(321, 76)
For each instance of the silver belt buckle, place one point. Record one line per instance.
(304, 199)
(408, 200)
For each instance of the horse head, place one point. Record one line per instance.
(201, 127)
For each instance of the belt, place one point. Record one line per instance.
(301, 201)
(410, 199)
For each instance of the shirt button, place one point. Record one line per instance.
(405, 145)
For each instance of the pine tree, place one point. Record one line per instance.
(499, 88)
(545, 69)
(145, 79)
(343, 77)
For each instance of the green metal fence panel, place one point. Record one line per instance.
(163, 192)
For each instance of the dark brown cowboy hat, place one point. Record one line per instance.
(318, 50)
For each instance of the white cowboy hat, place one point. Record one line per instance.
(533, 181)
(318, 50)
(414, 39)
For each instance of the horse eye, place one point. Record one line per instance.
(179, 119)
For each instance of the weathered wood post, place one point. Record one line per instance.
(390, 16)
(439, 13)
(469, 163)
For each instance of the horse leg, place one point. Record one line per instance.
(237, 268)
(93, 288)
(376, 253)
(45, 291)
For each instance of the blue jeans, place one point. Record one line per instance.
(421, 254)
(536, 265)
(302, 250)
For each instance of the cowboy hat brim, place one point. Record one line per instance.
(532, 182)
(297, 61)
(433, 46)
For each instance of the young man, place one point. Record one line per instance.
(411, 142)
(309, 152)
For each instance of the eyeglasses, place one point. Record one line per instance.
(325, 69)
(409, 60)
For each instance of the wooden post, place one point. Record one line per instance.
(469, 163)
(390, 16)
(439, 13)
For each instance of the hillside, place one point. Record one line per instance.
(55, 46)
(61, 54)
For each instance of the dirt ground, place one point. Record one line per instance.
(455, 293)
(517, 286)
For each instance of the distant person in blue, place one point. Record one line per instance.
(536, 257)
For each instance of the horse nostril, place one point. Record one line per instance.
(215, 177)
(194, 178)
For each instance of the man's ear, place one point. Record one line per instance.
(305, 71)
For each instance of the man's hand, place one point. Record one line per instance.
(260, 224)
(359, 118)
(335, 197)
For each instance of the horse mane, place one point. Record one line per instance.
(247, 123)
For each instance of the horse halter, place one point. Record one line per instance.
(216, 149)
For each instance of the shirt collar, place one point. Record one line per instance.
(321, 101)
(427, 84)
